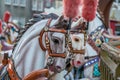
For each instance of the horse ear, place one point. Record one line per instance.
(60, 22)
(60, 18)
(79, 24)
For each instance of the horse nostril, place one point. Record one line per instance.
(58, 68)
(78, 62)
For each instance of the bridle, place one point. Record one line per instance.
(70, 48)
(45, 31)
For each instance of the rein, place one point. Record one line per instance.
(8, 63)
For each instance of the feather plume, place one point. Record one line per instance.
(71, 8)
(6, 16)
(0, 26)
(89, 9)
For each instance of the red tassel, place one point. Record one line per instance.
(6, 16)
(71, 8)
(0, 26)
(89, 9)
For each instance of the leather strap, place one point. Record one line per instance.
(63, 55)
(5, 59)
(12, 74)
(78, 51)
(41, 40)
(75, 51)
(37, 74)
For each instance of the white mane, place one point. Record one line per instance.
(28, 52)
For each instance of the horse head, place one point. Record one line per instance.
(10, 31)
(78, 43)
(57, 43)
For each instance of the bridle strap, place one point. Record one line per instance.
(41, 40)
(78, 51)
(10, 68)
(91, 42)
(41, 34)
(91, 62)
(63, 55)
(37, 74)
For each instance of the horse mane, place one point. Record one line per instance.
(36, 18)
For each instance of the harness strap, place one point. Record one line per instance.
(41, 35)
(91, 62)
(5, 59)
(12, 74)
(37, 74)
(40, 40)
(10, 67)
(91, 42)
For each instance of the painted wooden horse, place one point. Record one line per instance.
(30, 51)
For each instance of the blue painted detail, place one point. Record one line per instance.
(96, 71)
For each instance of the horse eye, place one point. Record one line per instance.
(76, 39)
(56, 41)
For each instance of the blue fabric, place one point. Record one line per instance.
(96, 72)
(106, 40)
(13, 29)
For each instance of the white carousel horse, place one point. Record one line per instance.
(78, 43)
(28, 55)
(8, 36)
(10, 31)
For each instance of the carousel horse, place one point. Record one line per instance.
(97, 34)
(83, 56)
(31, 50)
(10, 32)
(7, 37)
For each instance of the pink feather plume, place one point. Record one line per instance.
(89, 9)
(6, 16)
(0, 26)
(71, 8)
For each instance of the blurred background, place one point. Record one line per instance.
(22, 10)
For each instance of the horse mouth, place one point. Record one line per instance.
(76, 64)
(52, 68)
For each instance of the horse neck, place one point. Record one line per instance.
(28, 55)
(94, 24)
(90, 51)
